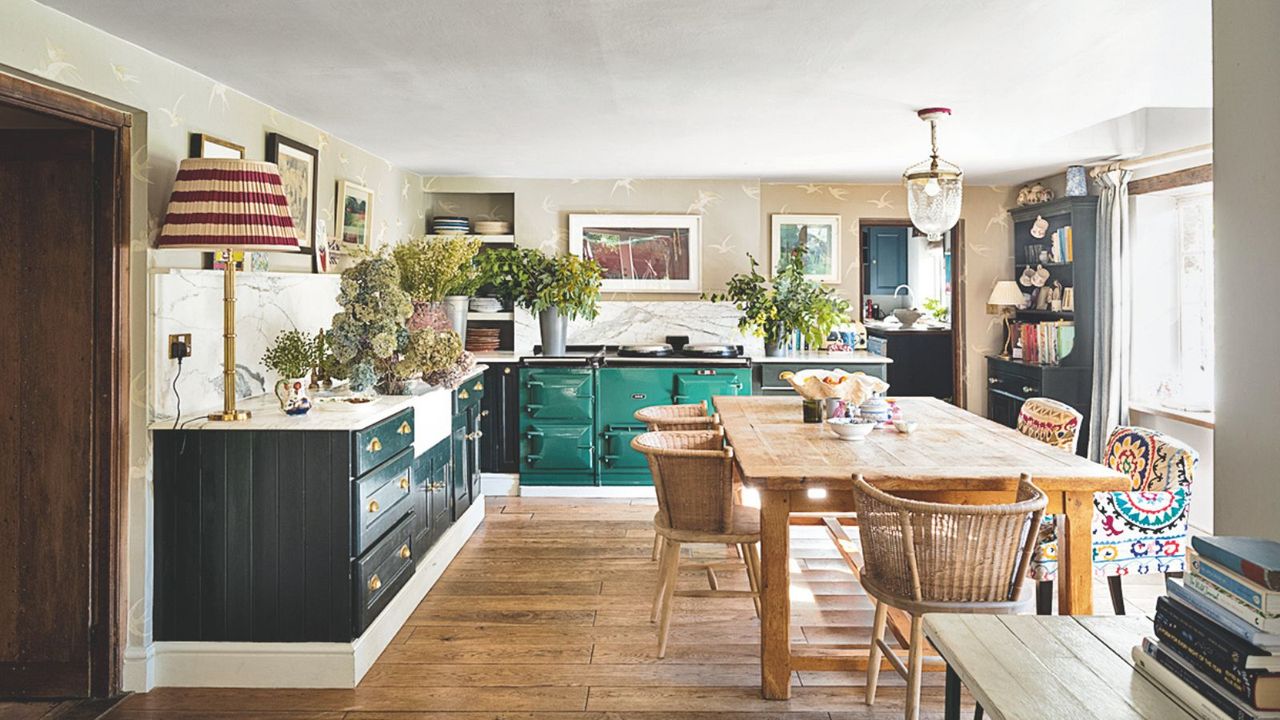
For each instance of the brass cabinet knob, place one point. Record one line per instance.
(405, 552)
(404, 483)
(484, 413)
(1028, 389)
(506, 371)
(375, 445)
(463, 394)
(993, 381)
(405, 428)
(375, 583)
(373, 506)
(479, 387)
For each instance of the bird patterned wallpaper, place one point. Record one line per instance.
(169, 103)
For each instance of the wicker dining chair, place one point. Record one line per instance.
(693, 476)
(689, 416)
(925, 557)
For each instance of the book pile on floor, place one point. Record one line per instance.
(1217, 634)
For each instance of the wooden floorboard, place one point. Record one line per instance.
(544, 615)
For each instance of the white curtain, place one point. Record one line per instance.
(1109, 407)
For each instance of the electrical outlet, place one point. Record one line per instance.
(179, 346)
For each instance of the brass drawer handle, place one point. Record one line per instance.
(405, 428)
(405, 552)
(993, 381)
(375, 582)
(479, 387)
(375, 445)
(463, 394)
(436, 486)
(404, 483)
(373, 506)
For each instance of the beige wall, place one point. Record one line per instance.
(736, 221)
(169, 102)
(1246, 92)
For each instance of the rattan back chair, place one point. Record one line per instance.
(690, 416)
(693, 477)
(924, 557)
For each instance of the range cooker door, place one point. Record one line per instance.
(557, 446)
(616, 452)
(562, 394)
(693, 386)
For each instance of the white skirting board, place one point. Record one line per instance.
(296, 665)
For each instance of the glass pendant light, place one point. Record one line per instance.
(934, 187)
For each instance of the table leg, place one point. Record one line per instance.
(775, 595)
(951, 710)
(1075, 555)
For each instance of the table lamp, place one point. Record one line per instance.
(228, 205)
(1005, 295)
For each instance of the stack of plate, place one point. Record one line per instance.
(486, 305)
(481, 339)
(493, 227)
(450, 225)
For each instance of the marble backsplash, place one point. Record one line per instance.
(630, 321)
(190, 301)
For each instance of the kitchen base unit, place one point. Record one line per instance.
(770, 372)
(290, 551)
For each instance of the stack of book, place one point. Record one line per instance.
(1061, 248)
(1217, 636)
(1045, 343)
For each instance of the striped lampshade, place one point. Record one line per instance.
(228, 204)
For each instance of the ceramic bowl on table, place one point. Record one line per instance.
(851, 429)
(906, 427)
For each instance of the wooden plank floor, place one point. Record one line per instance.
(544, 615)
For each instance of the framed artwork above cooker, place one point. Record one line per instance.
(641, 253)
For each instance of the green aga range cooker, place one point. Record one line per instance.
(577, 412)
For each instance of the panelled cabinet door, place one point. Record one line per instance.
(460, 467)
(703, 385)
(559, 394)
(559, 447)
(886, 259)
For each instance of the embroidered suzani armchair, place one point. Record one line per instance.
(1140, 531)
(1051, 422)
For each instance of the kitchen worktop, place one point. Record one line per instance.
(267, 415)
(857, 357)
(919, 328)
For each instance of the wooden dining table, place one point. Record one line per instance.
(953, 456)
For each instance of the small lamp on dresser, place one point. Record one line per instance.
(1007, 297)
(228, 205)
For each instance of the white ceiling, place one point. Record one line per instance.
(778, 89)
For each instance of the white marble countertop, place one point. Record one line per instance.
(267, 415)
(497, 356)
(857, 357)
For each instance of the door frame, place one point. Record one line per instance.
(958, 370)
(110, 412)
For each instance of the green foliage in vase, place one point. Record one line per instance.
(368, 334)
(292, 355)
(433, 267)
(934, 307)
(537, 281)
(793, 303)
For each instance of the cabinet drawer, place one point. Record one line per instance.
(381, 573)
(470, 392)
(381, 498)
(378, 442)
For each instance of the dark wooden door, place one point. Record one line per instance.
(47, 404)
(887, 259)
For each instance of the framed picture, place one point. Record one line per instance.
(354, 213)
(299, 178)
(819, 235)
(641, 253)
(204, 145)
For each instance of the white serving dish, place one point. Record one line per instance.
(851, 429)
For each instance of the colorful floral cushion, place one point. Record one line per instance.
(1050, 421)
(1143, 530)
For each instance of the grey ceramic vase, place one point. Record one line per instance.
(455, 307)
(554, 329)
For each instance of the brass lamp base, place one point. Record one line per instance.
(232, 416)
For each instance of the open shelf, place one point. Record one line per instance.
(491, 315)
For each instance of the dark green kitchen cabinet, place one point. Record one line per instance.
(432, 508)
(885, 250)
(557, 425)
(464, 441)
(500, 420)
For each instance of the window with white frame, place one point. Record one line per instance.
(1171, 299)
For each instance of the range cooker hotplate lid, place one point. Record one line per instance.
(711, 350)
(652, 350)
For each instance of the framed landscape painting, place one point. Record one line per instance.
(355, 213)
(641, 253)
(819, 235)
(299, 179)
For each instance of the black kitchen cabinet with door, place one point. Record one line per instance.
(499, 419)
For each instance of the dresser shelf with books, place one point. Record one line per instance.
(1054, 361)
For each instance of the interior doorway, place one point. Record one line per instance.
(902, 270)
(63, 355)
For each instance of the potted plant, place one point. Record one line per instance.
(292, 356)
(792, 304)
(558, 289)
(440, 274)
(367, 335)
